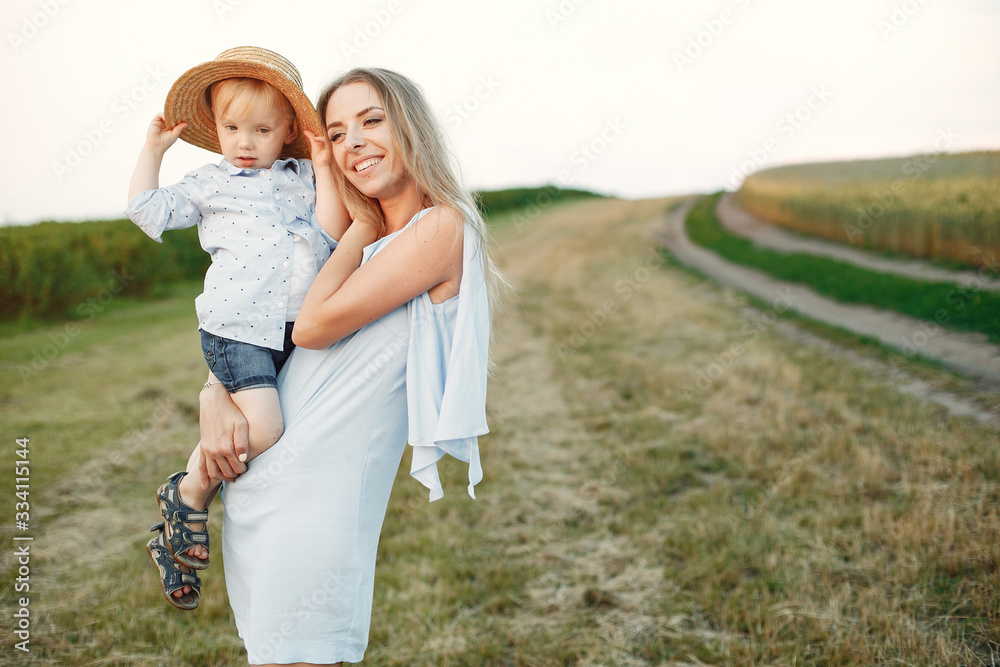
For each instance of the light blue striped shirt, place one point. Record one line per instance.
(247, 220)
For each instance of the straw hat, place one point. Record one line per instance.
(184, 99)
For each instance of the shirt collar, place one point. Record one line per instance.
(286, 163)
(279, 164)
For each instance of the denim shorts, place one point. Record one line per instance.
(240, 366)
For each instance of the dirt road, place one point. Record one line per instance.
(762, 233)
(965, 353)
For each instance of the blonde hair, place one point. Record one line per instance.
(419, 140)
(240, 94)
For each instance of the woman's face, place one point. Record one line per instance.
(357, 126)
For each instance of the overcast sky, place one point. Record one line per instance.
(630, 98)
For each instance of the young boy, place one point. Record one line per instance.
(269, 224)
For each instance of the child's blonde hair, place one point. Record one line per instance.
(245, 94)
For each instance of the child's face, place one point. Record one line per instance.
(253, 139)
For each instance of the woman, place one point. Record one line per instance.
(393, 340)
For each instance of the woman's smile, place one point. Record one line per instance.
(366, 164)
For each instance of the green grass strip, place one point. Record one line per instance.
(965, 308)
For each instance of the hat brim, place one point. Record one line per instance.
(183, 104)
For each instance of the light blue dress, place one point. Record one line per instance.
(301, 526)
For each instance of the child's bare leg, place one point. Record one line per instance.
(189, 487)
(262, 410)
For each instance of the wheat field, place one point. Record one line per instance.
(941, 207)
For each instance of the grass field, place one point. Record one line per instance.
(55, 271)
(801, 511)
(937, 206)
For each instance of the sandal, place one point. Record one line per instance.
(172, 578)
(178, 517)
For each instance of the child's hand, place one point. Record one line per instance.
(159, 137)
(320, 149)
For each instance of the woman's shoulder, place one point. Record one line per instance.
(448, 217)
(440, 223)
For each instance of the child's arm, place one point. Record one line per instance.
(331, 214)
(159, 138)
(344, 261)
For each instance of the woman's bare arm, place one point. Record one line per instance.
(344, 298)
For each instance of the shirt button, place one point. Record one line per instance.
(285, 264)
(281, 305)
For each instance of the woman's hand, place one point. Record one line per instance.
(224, 436)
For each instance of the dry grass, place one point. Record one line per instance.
(799, 511)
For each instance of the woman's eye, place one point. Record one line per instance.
(372, 121)
(336, 136)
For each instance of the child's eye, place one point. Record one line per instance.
(231, 128)
(263, 130)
